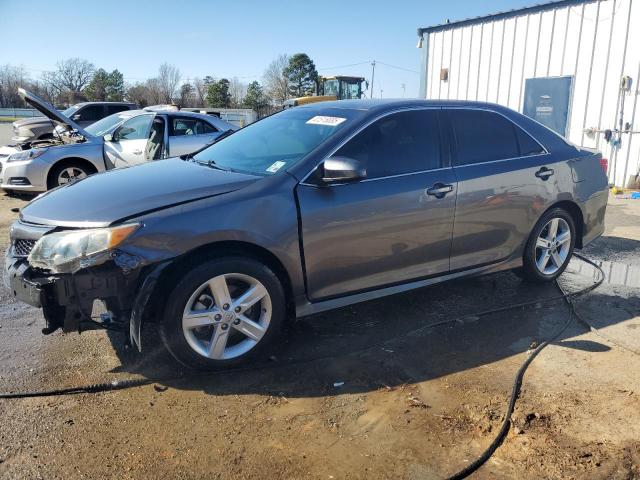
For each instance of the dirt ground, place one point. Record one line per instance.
(422, 405)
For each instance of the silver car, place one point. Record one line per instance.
(120, 140)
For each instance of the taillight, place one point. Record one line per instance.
(604, 163)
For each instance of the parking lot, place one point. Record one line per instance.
(363, 392)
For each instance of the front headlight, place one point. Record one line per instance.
(27, 154)
(69, 251)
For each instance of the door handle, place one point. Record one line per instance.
(544, 173)
(439, 190)
(137, 152)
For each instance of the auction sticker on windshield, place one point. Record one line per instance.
(275, 166)
(328, 121)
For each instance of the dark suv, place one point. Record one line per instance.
(311, 209)
(84, 114)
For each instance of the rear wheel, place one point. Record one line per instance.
(223, 312)
(549, 247)
(67, 172)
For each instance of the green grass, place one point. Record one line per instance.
(8, 119)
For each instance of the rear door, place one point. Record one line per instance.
(187, 134)
(391, 227)
(504, 182)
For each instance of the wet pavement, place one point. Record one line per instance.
(416, 402)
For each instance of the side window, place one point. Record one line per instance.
(205, 127)
(403, 142)
(183, 126)
(528, 146)
(483, 136)
(135, 129)
(111, 109)
(90, 113)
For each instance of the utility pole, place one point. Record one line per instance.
(373, 73)
(404, 89)
(381, 90)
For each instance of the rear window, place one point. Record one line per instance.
(483, 136)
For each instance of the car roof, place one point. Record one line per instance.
(393, 103)
(212, 119)
(104, 103)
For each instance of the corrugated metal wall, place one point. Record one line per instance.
(596, 42)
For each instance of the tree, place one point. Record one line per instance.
(200, 91)
(11, 78)
(255, 97)
(186, 95)
(115, 86)
(237, 91)
(138, 94)
(97, 88)
(302, 75)
(168, 80)
(275, 81)
(218, 94)
(70, 77)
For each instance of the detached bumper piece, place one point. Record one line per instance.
(99, 297)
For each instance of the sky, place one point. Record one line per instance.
(234, 38)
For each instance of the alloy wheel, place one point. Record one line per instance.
(70, 174)
(227, 316)
(553, 246)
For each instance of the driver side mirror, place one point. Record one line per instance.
(343, 169)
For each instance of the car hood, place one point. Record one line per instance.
(106, 198)
(49, 111)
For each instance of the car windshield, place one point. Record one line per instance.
(278, 141)
(71, 110)
(104, 126)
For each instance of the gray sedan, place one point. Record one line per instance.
(120, 140)
(308, 210)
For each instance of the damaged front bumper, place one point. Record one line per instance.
(112, 295)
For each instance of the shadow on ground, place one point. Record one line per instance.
(387, 342)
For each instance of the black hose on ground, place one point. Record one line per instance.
(515, 391)
(517, 383)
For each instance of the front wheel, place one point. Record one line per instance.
(67, 172)
(223, 312)
(549, 247)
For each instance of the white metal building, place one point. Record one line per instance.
(588, 46)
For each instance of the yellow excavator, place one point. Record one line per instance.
(338, 87)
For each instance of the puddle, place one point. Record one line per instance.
(616, 273)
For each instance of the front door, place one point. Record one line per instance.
(129, 142)
(391, 227)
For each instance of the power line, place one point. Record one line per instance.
(399, 68)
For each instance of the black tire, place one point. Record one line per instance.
(171, 331)
(530, 271)
(52, 179)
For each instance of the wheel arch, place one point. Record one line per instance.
(184, 262)
(90, 165)
(573, 209)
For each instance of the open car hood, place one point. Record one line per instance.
(50, 112)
